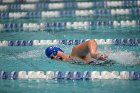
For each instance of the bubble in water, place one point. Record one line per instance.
(30, 54)
(125, 57)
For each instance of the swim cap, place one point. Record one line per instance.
(51, 49)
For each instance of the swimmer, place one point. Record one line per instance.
(84, 51)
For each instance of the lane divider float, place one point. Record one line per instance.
(123, 41)
(68, 75)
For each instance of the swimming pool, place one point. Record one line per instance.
(26, 32)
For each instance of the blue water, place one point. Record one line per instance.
(98, 86)
(32, 58)
(77, 34)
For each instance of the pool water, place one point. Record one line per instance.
(99, 86)
(74, 20)
(77, 34)
(32, 58)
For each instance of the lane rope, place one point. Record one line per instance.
(123, 41)
(68, 75)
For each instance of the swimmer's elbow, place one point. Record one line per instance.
(92, 42)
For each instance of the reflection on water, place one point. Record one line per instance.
(69, 86)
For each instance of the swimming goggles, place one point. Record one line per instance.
(54, 54)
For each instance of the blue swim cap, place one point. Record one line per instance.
(51, 49)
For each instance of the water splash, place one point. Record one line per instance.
(123, 57)
(31, 54)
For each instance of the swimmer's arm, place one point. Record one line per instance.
(92, 46)
(89, 46)
(84, 48)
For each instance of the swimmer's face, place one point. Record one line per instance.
(58, 55)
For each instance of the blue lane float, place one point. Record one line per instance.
(12, 75)
(20, 43)
(137, 41)
(33, 15)
(123, 41)
(8, 75)
(68, 75)
(42, 6)
(70, 5)
(77, 75)
(3, 75)
(71, 42)
(24, 43)
(59, 75)
(117, 41)
(86, 75)
(72, 75)
(14, 7)
(129, 41)
(135, 75)
(12, 27)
